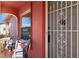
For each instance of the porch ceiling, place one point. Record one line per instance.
(13, 4)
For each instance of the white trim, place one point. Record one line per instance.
(11, 14)
(57, 29)
(46, 30)
(77, 29)
(71, 29)
(53, 15)
(66, 29)
(26, 12)
(61, 32)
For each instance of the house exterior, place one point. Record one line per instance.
(54, 30)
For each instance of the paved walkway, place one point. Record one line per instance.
(5, 54)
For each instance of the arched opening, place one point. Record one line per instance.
(8, 32)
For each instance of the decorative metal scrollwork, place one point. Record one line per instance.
(61, 23)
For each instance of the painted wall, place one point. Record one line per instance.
(9, 10)
(38, 30)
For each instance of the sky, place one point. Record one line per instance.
(26, 21)
(2, 17)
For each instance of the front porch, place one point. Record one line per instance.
(36, 13)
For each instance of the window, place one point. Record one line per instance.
(25, 28)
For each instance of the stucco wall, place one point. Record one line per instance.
(38, 29)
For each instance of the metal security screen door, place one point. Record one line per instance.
(63, 29)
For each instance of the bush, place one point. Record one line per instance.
(2, 36)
